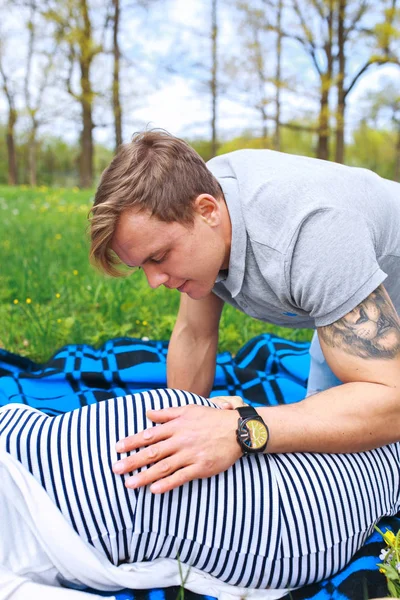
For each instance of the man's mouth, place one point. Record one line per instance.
(181, 288)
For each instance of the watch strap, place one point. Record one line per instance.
(247, 412)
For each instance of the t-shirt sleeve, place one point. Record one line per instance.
(331, 264)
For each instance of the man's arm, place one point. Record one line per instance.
(363, 350)
(193, 347)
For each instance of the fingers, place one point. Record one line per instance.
(165, 414)
(143, 438)
(236, 401)
(152, 454)
(157, 472)
(163, 477)
(175, 480)
(152, 434)
(191, 442)
(222, 403)
(227, 402)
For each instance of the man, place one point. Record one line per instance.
(290, 240)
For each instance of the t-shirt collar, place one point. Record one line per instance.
(233, 278)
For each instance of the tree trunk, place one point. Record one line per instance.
(397, 157)
(326, 84)
(341, 97)
(11, 151)
(278, 75)
(323, 125)
(86, 99)
(214, 81)
(264, 119)
(32, 154)
(117, 109)
(86, 157)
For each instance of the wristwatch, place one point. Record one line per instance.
(252, 433)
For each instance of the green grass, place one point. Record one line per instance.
(50, 295)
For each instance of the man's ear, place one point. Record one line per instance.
(208, 208)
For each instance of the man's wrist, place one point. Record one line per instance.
(252, 433)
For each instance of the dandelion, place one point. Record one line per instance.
(389, 537)
(137, 322)
(58, 236)
(144, 323)
(28, 301)
(16, 301)
(75, 272)
(58, 295)
(59, 320)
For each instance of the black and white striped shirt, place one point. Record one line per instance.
(275, 520)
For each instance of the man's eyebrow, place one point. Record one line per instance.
(149, 258)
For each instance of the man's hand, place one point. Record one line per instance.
(191, 442)
(227, 402)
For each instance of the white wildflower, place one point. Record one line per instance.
(383, 554)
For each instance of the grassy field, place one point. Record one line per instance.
(50, 295)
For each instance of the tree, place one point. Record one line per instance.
(253, 64)
(260, 67)
(319, 45)
(350, 30)
(214, 77)
(278, 76)
(384, 108)
(116, 99)
(10, 93)
(33, 105)
(75, 32)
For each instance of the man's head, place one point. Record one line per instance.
(158, 196)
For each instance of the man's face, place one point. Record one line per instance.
(187, 258)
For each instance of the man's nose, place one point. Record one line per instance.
(155, 277)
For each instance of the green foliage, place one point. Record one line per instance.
(57, 161)
(293, 141)
(246, 140)
(50, 295)
(203, 147)
(373, 149)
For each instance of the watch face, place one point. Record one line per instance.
(258, 433)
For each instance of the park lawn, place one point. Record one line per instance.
(51, 296)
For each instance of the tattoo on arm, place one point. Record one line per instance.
(371, 330)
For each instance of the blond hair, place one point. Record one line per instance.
(155, 172)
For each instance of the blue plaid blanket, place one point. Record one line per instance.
(267, 371)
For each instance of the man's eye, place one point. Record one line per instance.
(158, 260)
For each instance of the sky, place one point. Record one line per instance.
(156, 43)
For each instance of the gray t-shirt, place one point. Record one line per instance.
(310, 239)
